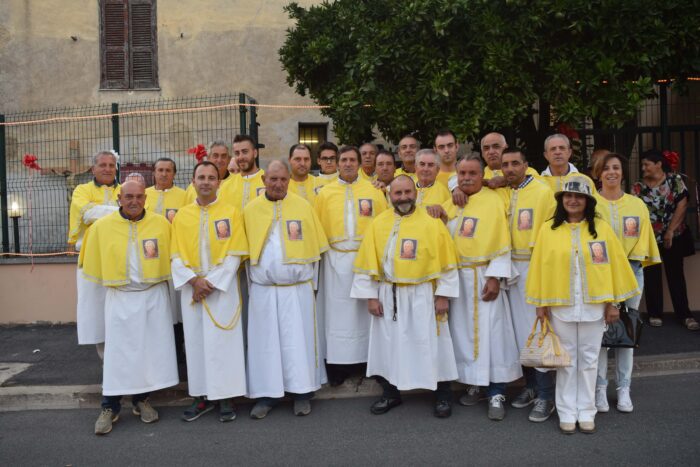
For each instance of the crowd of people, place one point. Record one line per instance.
(429, 270)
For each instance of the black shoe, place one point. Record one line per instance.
(384, 405)
(443, 409)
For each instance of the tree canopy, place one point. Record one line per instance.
(472, 65)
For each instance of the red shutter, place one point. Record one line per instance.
(143, 56)
(114, 41)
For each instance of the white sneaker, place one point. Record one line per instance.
(601, 399)
(624, 402)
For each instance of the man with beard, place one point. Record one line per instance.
(248, 184)
(302, 182)
(405, 269)
(530, 203)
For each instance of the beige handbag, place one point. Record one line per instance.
(543, 349)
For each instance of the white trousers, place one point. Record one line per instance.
(575, 394)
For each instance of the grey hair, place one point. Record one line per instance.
(427, 151)
(557, 135)
(137, 177)
(219, 142)
(473, 157)
(278, 161)
(503, 138)
(99, 154)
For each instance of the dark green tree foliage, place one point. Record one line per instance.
(474, 65)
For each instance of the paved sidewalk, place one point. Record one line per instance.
(41, 366)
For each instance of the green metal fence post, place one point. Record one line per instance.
(3, 189)
(115, 132)
(242, 113)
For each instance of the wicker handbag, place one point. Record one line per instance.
(543, 349)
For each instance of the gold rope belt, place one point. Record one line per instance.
(234, 319)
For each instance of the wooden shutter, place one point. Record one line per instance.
(114, 44)
(143, 39)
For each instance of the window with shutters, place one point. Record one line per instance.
(128, 44)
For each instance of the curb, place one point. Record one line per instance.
(20, 398)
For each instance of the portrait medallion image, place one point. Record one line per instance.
(599, 252)
(365, 207)
(409, 247)
(294, 230)
(525, 219)
(630, 226)
(223, 228)
(468, 227)
(150, 248)
(170, 214)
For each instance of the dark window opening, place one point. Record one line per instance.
(313, 135)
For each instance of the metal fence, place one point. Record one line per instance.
(34, 204)
(668, 122)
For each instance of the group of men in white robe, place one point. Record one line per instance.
(291, 332)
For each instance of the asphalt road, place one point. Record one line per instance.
(663, 430)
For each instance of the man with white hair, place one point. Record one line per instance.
(431, 195)
(89, 202)
(492, 146)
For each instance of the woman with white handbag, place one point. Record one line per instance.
(578, 271)
(629, 218)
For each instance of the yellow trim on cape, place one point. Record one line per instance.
(550, 279)
(260, 214)
(104, 257)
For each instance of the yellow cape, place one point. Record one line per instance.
(605, 270)
(422, 253)
(239, 190)
(224, 224)
(434, 194)
(481, 228)
(331, 202)
(165, 202)
(303, 238)
(629, 219)
(306, 189)
(104, 256)
(444, 177)
(528, 209)
(86, 196)
(401, 171)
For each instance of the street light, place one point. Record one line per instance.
(15, 215)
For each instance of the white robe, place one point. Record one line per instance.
(283, 350)
(415, 351)
(522, 313)
(344, 319)
(498, 359)
(215, 357)
(139, 353)
(90, 312)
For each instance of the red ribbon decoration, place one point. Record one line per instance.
(199, 151)
(673, 159)
(566, 130)
(30, 162)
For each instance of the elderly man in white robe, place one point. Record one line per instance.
(406, 269)
(91, 201)
(286, 242)
(128, 253)
(483, 334)
(208, 243)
